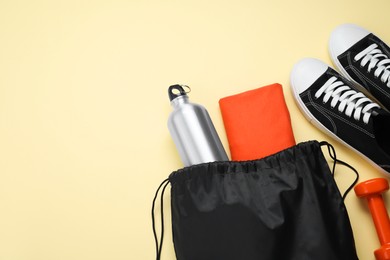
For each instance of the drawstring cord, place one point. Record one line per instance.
(162, 187)
(332, 154)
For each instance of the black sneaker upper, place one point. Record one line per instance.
(372, 139)
(360, 74)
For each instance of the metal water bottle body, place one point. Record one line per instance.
(193, 132)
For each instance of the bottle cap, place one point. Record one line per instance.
(177, 90)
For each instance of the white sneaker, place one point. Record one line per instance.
(339, 109)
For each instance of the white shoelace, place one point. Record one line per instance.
(348, 100)
(377, 60)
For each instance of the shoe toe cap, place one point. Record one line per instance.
(344, 37)
(305, 73)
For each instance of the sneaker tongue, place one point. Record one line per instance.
(376, 111)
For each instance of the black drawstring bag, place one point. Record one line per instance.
(282, 207)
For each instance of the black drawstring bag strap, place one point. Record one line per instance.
(332, 154)
(162, 187)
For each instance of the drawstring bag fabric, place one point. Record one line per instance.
(284, 206)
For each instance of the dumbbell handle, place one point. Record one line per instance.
(380, 217)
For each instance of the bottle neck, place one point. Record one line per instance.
(179, 101)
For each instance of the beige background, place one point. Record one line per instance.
(83, 109)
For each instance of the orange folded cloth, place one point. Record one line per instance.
(257, 123)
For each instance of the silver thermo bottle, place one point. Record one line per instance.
(192, 130)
